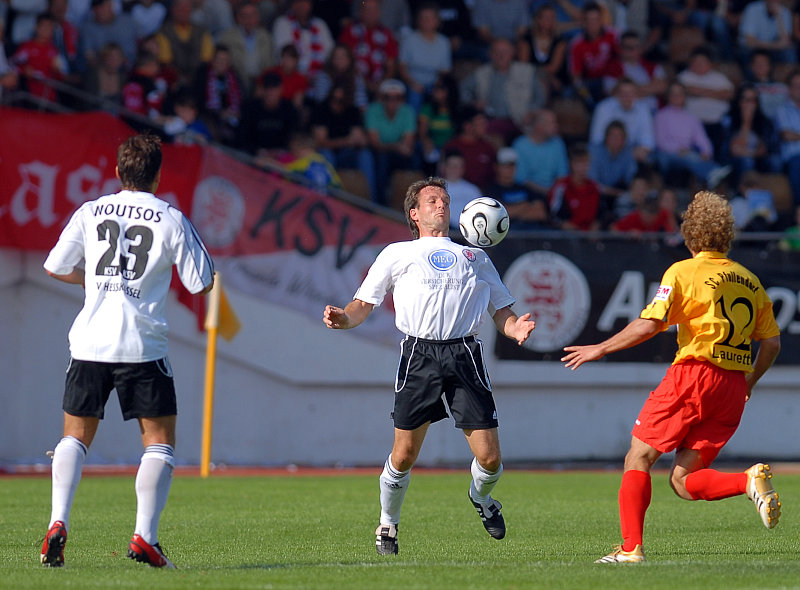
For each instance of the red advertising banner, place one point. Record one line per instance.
(271, 238)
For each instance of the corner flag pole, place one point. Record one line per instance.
(211, 325)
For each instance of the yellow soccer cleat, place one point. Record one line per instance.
(763, 495)
(618, 555)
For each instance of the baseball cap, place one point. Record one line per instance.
(506, 155)
(392, 86)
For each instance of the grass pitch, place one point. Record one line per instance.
(317, 532)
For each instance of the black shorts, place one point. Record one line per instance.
(145, 390)
(455, 368)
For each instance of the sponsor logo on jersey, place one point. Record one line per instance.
(557, 295)
(442, 259)
(469, 254)
(663, 293)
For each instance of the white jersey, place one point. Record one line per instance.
(129, 241)
(441, 289)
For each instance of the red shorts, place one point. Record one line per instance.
(696, 406)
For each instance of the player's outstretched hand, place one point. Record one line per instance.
(523, 328)
(335, 318)
(581, 354)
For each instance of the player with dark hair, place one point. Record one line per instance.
(441, 290)
(720, 307)
(129, 241)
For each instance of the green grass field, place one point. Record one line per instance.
(317, 532)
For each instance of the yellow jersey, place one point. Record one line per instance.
(720, 307)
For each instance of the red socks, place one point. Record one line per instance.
(709, 484)
(634, 498)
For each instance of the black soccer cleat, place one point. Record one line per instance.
(386, 539)
(53, 545)
(492, 519)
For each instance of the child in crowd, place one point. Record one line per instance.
(575, 199)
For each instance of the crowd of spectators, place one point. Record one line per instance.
(471, 90)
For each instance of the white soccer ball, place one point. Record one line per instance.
(484, 222)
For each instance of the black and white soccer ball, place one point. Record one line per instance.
(484, 222)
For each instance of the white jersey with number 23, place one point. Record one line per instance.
(129, 241)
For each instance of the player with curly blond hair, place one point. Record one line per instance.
(720, 307)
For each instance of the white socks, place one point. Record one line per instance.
(153, 481)
(393, 489)
(68, 460)
(483, 482)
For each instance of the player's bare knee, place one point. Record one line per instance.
(491, 462)
(678, 485)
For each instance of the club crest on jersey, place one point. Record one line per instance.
(442, 259)
(663, 293)
(469, 254)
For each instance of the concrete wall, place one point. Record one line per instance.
(288, 390)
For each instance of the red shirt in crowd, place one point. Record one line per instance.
(39, 59)
(372, 48)
(635, 221)
(595, 58)
(577, 204)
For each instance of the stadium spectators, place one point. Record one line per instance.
(788, 124)
(542, 45)
(771, 92)
(214, 16)
(709, 93)
(424, 52)
(250, 45)
(649, 216)
(649, 77)
(767, 25)
(312, 166)
(625, 106)
(749, 139)
(500, 19)
(66, 38)
(307, 33)
(505, 89)
(337, 126)
(682, 143)
(372, 43)
(268, 120)
(613, 165)
(340, 69)
(145, 89)
(461, 191)
(575, 199)
(106, 26)
(542, 153)
(294, 84)
(182, 44)
(526, 210)
(473, 143)
(593, 56)
(148, 15)
(391, 126)
(108, 78)
(39, 59)
(219, 95)
(436, 123)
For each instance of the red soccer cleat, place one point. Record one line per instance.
(144, 552)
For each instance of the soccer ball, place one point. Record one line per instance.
(484, 222)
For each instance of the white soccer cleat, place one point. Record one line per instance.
(618, 555)
(763, 495)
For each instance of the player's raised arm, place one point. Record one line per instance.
(351, 316)
(517, 328)
(634, 333)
